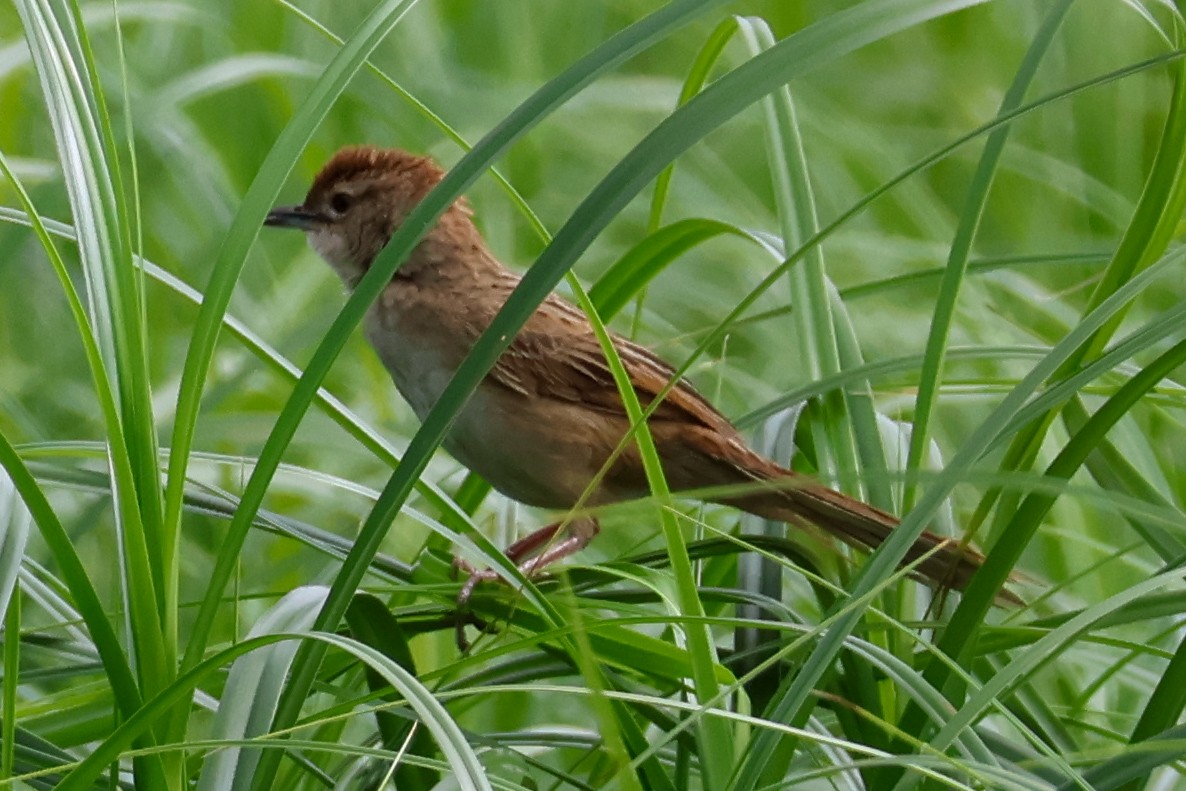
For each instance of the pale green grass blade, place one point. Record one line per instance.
(15, 521)
(371, 622)
(253, 689)
(795, 205)
(1138, 341)
(463, 763)
(83, 138)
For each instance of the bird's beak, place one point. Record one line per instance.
(294, 217)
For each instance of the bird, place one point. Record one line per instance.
(543, 424)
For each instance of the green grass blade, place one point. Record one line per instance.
(716, 743)
(965, 235)
(260, 198)
(794, 699)
(1165, 706)
(630, 274)
(75, 576)
(252, 690)
(464, 765)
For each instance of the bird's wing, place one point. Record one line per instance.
(570, 366)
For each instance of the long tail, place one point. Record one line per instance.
(795, 499)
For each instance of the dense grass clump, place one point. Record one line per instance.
(928, 250)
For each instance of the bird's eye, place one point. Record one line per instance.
(340, 202)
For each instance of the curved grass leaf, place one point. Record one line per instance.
(253, 688)
(965, 235)
(260, 198)
(631, 273)
(464, 765)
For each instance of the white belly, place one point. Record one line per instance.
(491, 435)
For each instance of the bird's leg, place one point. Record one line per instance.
(523, 554)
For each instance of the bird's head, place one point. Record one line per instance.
(359, 199)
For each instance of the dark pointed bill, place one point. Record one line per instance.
(293, 217)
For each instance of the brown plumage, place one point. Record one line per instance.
(546, 419)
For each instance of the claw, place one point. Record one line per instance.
(474, 576)
(581, 532)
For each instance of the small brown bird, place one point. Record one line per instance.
(546, 419)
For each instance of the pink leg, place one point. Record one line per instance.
(528, 545)
(580, 533)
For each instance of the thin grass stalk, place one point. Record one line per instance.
(960, 253)
(12, 675)
(259, 199)
(702, 65)
(716, 742)
(1145, 239)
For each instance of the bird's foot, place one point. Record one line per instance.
(580, 533)
(473, 576)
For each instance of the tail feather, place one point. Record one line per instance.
(775, 492)
(938, 561)
(942, 561)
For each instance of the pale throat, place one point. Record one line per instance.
(333, 248)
